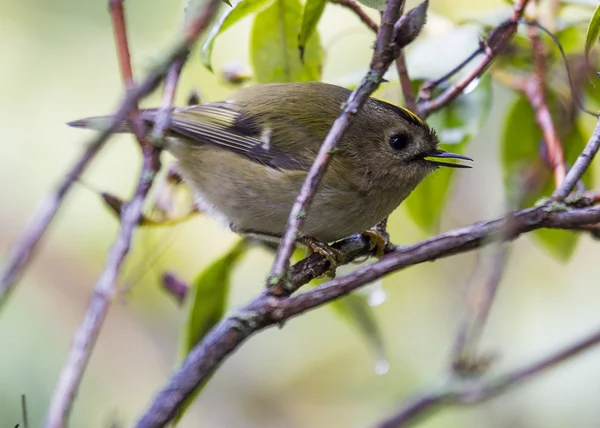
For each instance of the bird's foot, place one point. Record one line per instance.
(379, 239)
(333, 256)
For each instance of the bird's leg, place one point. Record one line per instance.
(379, 238)
(333, 256)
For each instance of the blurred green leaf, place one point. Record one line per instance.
(593, 30)
(207, 298)
(206, 302)
(225, 21)
(571, 39)
(521, 164)
(455, 124)
(313, 9)
(274, 46)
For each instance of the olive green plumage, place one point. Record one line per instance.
(247, 157)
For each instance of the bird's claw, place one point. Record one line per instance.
(379, 240)
(333, 256)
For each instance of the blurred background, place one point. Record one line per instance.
(59, 64)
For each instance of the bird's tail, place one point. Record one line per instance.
(100, 123)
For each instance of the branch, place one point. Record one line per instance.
(105, 288)
(104, 292)
(267, 310)
(468, 393)
(25, 247)
(535, 92)
(480, 296)
(580, 166)
(393, 35)
(498, 39)
(410, 102)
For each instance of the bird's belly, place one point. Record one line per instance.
(263, 206)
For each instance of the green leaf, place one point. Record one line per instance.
(593, 31)
(455, 124)
(313, 9)
(274, 46)
(521, 163)
(225, 21)
(206, 302)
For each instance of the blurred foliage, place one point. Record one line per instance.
(313, 375)
(274, 49)
(226, 20)
(593, 31)
(206, 302)
(313, 10)
(455, 125)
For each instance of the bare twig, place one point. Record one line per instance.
(163, 117)
(580, 165)
(468, 393)
(410, 101)
(25, 247)
(104, 291)
(24, 413)
(497, 41)
(105, 287)
(480, 296)
(386, 49)
(266, 310)
(536, 94)
(359, 12)
(120, 32)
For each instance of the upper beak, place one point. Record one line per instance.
(447, 155)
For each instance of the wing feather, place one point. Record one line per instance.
(225, 125)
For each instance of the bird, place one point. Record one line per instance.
(246, 158)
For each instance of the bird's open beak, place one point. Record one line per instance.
(447, 155)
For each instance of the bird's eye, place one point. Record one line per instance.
(399, 141)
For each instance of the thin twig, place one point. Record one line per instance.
(117, 14)
(410, 101)
(25, 247)
(105, 287)
(385, 52)
(480, 296)
(469, 393)
(497, 41)
(359, 12)
(580, 166)
(163, 117)
(536, 94)
(24, 413)
(266, 310)
(104, 291)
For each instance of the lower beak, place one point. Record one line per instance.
(447, 155)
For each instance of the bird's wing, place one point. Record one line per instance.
(224, 125)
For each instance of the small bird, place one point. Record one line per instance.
(246, 158)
